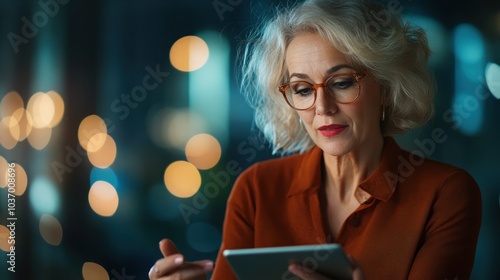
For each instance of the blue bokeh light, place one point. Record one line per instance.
(44, 197)
(468, 101)
(469, 44)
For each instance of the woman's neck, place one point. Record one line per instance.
(344, 173)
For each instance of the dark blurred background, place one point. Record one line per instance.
(106, 103)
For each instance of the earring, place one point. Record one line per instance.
(383, 113)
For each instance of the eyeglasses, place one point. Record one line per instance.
(341, 88)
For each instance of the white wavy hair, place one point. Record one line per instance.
(372, 36)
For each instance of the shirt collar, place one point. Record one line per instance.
(380, 184)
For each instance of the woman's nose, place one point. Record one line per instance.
(324, 103)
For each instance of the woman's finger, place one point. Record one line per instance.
(166, 266)
(304, 273)
(195, 270)
(357, 271)
(174, 266)
(167, 247)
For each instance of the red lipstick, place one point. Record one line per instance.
(331, 129)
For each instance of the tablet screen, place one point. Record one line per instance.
(272, 263)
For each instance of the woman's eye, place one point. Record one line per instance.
(303, 89)
(342, 83)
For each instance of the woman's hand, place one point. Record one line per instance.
(307, 274)
(173, 265)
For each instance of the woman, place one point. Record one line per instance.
(331, 81)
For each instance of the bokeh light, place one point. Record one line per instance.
(89, 127)
(203, 237)
(21, 180)
(103, 198)
(182, 179)
(6, 139)
(469, 44)
(10, 103)
(203, 150)
(42, 109)
(189, 53)
(162, 205)
(58, 108)
(44, 196)
(4, 167)
(39, 138)
(176, 127)
(24, 123)
(4, 238)
(492, 73)
(469, 49)
(94, 271)
(14, 128)
(106, 154)
(50, 229)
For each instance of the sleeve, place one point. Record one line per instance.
(238, 228)
(449, 243)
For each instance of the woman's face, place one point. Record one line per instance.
(336, 128)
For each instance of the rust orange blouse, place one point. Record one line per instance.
(421, 219)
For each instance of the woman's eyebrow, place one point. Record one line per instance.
(328, 72)
(337, 68)
(298, 75)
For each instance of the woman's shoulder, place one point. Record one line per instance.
(281, 173)
(431, 173)
(413, 161)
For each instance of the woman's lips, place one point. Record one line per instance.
(332, 129)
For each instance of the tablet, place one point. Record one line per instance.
(271, 263)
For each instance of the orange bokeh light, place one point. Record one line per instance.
(182, 179)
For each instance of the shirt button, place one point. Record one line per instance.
(354, 221)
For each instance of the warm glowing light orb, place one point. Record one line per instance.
(106, 154)
(21, 179)
(42, 109)
(58, 108)
(6, 139)
(189, 53)
(50, 229)
(4, 168)
(4, 238)
(103, 198)
(182, 179)
(9, 104)
(203, 150)
(90, 126)
(39, 138)
(94, 271)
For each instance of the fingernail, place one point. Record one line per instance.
(295, 268)
(178, 260)
(208, 266)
